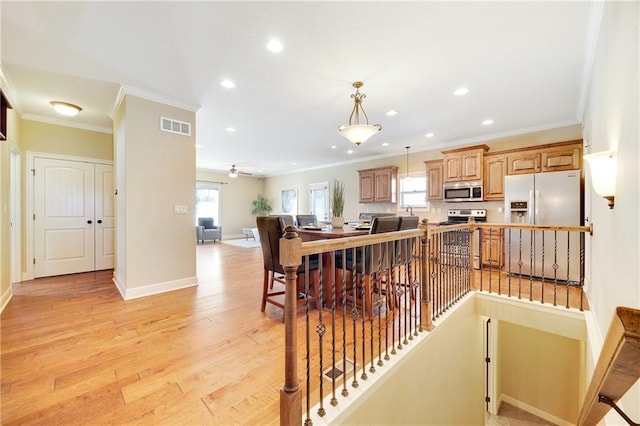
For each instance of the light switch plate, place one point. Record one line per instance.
(180, 209)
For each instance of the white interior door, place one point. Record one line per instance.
(63, 217)
(104, 217)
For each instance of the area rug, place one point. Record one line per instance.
(242, 243)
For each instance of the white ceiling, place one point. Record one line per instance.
(523, 63)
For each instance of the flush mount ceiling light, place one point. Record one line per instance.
(358, 133)
(65, 108)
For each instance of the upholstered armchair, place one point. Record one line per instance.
(207, 231)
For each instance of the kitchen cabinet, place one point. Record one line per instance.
(545, 158)
(464, 163)
(495, 169)
(434, 179)
(561, 158)
(492, 247)
(378, 185)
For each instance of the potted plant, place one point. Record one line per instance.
(337, 201)
(261, 206)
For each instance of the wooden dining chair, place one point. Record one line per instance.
(371, 264)
(270, 229)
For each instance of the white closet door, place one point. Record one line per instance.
(64, 217)
(104, 215)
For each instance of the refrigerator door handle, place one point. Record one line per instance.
(536, 206)
(530, 211)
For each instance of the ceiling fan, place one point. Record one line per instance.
(233, 172)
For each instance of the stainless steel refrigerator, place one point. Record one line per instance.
(551, 198)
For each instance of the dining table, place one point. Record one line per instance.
(311, 233)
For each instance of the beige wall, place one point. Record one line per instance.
(155, 171)
(611, 123)
(539, 369)
(236, 196)
(50, 138)
(440, 382)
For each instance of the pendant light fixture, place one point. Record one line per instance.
(407, 147)
(358, 133)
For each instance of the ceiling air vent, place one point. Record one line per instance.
(175, 126)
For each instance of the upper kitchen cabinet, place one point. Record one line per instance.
(545, 158)
(563, 157)
(434, 179)
(464, 163)
(495, 169)
(378, 185)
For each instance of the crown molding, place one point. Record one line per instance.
(67, 123)
(165, 100)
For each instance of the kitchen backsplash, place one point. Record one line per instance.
(437, 210)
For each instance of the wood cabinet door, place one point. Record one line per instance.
(367, 185)
(523, 162)
(491, 248)
(471, 166)
(562, 158)
(452, 167)
(434, 179)
(495, 168)
(382, 186)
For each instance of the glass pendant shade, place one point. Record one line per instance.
(359, 133)
(603, 174)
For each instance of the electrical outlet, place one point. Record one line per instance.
(180, 209)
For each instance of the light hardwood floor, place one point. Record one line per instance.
(73, 352)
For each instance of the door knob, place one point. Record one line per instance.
(89, 222)
(99, 220)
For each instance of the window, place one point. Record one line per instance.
(319, 200)
(413, 191)
(208, 204)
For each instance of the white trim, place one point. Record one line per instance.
(15, 214)
(165, 100)
(157, 288)
(5, 298)
(67, 123)
(29, 201)
(535, 411)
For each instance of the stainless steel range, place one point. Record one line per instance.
(457, 243)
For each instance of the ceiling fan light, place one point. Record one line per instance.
(65, 108)
(359, 133)
(233, 174)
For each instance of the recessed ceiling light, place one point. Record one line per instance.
(350, 151)
(333, 147)
(228, 84)
(230, 129)
(487, 122)
(385, 144)
(65, 108)
(392, 113)
(429, 135)
(461, 91)
(275, 46)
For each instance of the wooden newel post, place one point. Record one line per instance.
(290, 395)
(425, 302)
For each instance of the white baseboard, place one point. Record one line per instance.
(5, 298)
(151, 289)
(533, 410)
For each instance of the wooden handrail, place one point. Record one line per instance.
(618, 366)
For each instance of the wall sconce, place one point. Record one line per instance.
(603, 174)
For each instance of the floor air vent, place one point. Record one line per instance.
(175, 126)
(339, 370)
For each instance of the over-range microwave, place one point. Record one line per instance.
(462, 191)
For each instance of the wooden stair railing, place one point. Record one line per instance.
(618, 366)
